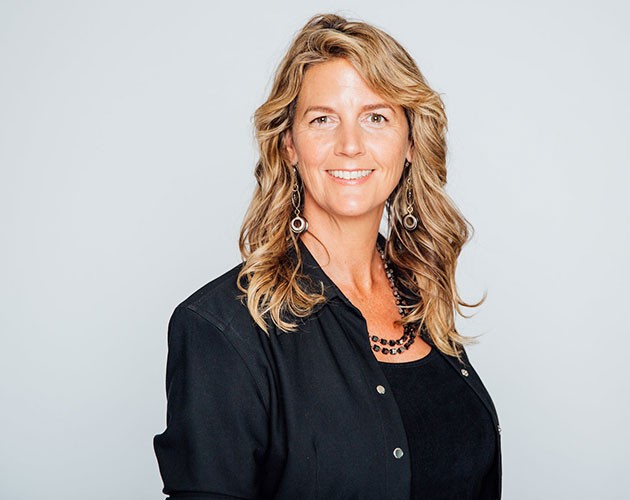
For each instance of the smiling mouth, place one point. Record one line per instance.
(350, 174)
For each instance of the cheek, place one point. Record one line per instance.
(392, 145)
(312, 150)
(393, 182)
(395, 161)
(312, 182)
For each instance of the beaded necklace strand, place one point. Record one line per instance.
(403, 343)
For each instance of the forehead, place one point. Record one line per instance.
(336, 79)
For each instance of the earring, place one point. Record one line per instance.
(298, 224)
(410, 221)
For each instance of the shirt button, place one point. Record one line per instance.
(380, 389)
(398, 453)
(499, 429)
(464, 372)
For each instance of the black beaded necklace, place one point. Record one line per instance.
(409, 334)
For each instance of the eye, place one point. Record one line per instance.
(320, 120)
(377, 118)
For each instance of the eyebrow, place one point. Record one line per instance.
(367, 107)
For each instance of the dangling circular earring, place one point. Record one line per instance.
(409, 221)
(298, 224)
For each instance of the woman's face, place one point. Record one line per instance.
(350, 144)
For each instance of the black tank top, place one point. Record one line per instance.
(449, 431)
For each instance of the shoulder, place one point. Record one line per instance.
(221, 306)
(219, 301)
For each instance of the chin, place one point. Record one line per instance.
(355, 211)
(344, 207)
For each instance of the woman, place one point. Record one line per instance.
(327, 365)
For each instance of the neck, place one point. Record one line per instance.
(346, 250)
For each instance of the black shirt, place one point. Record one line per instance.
(284, 416)
(450, 433)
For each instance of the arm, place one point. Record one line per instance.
(216, 433)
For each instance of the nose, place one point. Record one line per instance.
(349, 140)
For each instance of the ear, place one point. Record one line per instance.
(409, 155)
(289, 147)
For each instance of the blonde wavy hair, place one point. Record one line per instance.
(425, 259)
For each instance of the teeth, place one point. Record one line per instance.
(349, 174)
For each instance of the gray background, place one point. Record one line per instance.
(126, 157)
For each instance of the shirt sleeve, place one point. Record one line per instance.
(216, 430)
